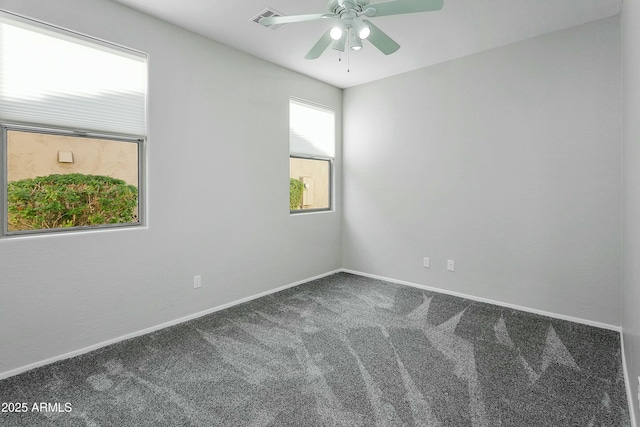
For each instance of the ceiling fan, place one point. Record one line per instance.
(351, 28)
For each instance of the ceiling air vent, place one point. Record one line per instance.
(268, 12)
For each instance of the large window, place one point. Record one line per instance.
(311, 153)
(73, 129)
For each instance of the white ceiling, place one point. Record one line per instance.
(461, 28)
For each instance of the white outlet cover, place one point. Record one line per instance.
(451, 265)
(425, 262)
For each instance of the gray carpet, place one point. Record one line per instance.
(340, 351)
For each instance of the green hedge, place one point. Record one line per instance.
(72, 200)
(296, 187)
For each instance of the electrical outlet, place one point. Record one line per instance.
(197, 281)
(451, 265)
(425, 262)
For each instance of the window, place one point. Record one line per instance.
(73, 129)
(311, 153)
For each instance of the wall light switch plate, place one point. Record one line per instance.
(451, 265)
(197, 281)
(425, 262)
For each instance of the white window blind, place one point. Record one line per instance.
(312, 129)
(53, 77)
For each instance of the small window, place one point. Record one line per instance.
(58, 181)
(73, 127)
(311, 154)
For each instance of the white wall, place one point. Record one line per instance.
(218, 193)
(631, 147)
(507, 161)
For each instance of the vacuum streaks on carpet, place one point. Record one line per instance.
(340, 351)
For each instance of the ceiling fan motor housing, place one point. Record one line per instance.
(340, 7)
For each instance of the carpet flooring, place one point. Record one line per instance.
(343, 350)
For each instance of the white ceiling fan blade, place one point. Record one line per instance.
(320, 46)
(381, 40)
(272, 20)
(399, 7)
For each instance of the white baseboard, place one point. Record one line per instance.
(631, 401)
(145, 331)
(489, 301)
(90, 348)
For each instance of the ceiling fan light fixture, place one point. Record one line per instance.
(336, 32)
(355, 43)
(339, 45)
(362, 30)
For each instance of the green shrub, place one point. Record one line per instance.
(72, 200)
(296, 187)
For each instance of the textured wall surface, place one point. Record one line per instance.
(631, 269)
(218, 198)
(507, 162)
(32, 154)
